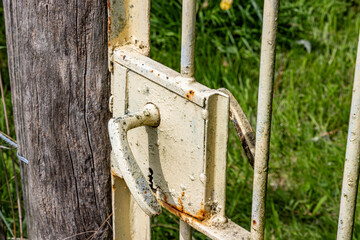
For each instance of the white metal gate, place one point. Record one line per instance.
(169, 133)
(175, 155)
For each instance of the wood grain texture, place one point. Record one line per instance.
(60, 88)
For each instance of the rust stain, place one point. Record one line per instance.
(254, 222)
(181, 208)
(114, 174)
(165, 198)
(186, 217)
(201, 212)
(151, 71)
(201, 215)
(190, 94)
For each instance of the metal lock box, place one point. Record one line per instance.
(184, 158)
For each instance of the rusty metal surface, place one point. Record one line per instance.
(263, 125)
(216, 230)
(242, 127)
(352, 167)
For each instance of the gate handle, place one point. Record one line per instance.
(124, 163)
(242, 127)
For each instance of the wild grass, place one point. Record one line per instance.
(310, 110)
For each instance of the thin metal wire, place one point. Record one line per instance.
(8, 140)
(13, 144)
(21, 158)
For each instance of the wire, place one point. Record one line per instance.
(13, 144)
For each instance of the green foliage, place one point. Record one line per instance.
(310, 110)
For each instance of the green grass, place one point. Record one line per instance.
(310, 110)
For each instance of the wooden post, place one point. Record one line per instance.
(60, 87)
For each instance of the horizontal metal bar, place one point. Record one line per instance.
(211, 228)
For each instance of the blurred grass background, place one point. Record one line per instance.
(316, 51)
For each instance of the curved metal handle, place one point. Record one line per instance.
(242, 127)
(124, 163)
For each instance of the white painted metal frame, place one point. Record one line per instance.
(129, 44)
(263, 121)
(187, 68)
(124, 28)
(351, 169)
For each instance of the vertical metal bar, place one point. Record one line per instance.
(188, 37)
(187, 68)
(351, 168)
(263, 125)
(128, 22)
(185, 231)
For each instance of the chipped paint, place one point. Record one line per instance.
(129, 23)
(190, 94)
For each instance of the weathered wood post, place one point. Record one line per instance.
(60, 88)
